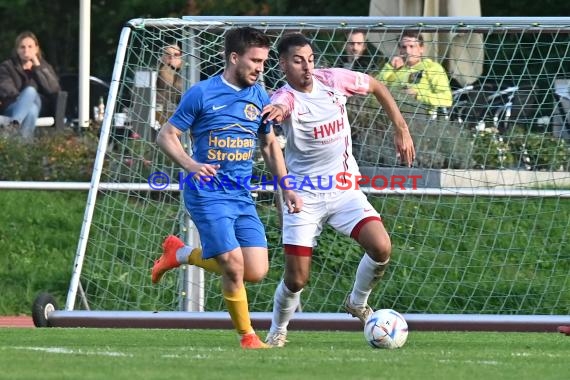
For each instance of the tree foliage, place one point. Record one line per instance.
(56, 22)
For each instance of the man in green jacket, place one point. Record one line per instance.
(415, 76)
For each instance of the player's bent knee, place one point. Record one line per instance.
(380, 253)
(255, 271)
(255, 276)
(295, 284)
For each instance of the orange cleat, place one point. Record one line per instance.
(252, 342)
(564, 330)
(168, 259)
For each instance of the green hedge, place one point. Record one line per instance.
(447, 144)
(63, 156)
(440, 144)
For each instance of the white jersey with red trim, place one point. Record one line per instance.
(319, 144)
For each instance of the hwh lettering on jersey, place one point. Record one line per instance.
(329, 129)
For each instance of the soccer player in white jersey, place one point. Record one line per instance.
(311, 108)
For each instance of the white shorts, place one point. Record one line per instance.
(342, 210)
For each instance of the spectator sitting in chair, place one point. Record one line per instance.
(415, 76)
(28, 84)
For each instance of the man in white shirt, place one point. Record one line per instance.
(311, 108)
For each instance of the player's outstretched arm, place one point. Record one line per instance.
(168, 140)
(273, 156)
(402, 138)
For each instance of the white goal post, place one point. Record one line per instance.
(479, 225)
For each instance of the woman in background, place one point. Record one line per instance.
(27, 83)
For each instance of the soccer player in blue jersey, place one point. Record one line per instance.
(224, 116)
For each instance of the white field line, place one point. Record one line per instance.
(68, 351)
(74, 351)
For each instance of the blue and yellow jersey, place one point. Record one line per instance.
(224, 124)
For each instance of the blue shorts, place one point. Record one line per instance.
(225, 225)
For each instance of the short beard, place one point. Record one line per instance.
(242, 81)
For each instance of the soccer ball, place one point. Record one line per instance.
(386, 328)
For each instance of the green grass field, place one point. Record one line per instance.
(39, 231)
(514, 268)
(38, 235)
(55, 353)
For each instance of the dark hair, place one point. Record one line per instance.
(238, 40)
(356, 31)
(289, 40)
(412, 34)
(27, 34)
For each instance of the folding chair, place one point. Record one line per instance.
(55, 115)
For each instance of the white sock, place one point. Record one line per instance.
(285, 303)
(367, 275)
(182, 254)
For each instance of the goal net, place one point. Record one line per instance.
(479, 225)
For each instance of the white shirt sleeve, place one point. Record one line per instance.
(346, 81)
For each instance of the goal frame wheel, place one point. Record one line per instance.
(43, 305)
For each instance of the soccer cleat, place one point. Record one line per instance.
(276, 339)
(252, 342)
(168, 259)
(564, 330)
(362, 313)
